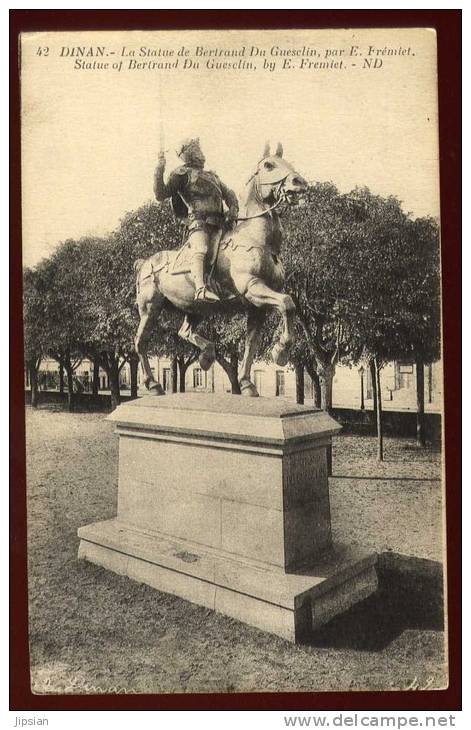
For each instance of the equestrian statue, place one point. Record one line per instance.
(229, 262)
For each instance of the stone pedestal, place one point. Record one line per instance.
(224, 501)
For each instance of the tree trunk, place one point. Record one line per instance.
(182, 368)
(379, 413)
(373, 387)
(70, 386)
(430, 383)
(317, 390)
(234, 377)
(33, 378)
(61, 378)
(299, 370)
(133, 367)
(326, 378)
(113, 375)
(420, 378)
(96, 376)
(174, 375)
(322, 379)
(231, 368)
(316, 386)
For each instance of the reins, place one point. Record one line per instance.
(263, 212)
(258, 184)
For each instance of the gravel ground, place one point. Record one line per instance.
(92, 631)
(393, 505)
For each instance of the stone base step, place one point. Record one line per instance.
(290, 605)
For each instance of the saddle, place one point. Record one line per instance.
(182, 261)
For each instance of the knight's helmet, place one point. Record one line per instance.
(189, 148)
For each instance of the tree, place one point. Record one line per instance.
(64, 276)
(183, 363)
(227, 332)
(314, 260)
(32, 329)
(174, 374)
(299, 373)
(379, 324)
(356, 270)
(111, 322)
(53, 312)
(420, 292)
(302, 359)
(371, 311)
(403, 319)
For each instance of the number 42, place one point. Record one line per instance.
(44, 51)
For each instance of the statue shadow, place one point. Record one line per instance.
(409, 596)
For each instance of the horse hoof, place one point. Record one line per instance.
(155, 388)
(207, 357)
(280, 355)
(248, 389)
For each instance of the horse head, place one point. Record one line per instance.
(275, 179)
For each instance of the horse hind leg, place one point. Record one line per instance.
(260, 295)
(148, 313)
(187, 332)
(255, 320)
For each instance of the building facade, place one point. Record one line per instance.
(352, 387)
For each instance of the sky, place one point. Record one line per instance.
(90, 138)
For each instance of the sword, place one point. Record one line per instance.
(162, 149)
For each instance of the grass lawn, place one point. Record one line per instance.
(92, 631)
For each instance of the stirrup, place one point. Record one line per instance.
(203, 294)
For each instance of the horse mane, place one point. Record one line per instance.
(250, 194)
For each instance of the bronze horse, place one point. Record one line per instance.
(248, 273)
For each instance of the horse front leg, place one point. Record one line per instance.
(187, 332)
(255, 320)
(260, 295)
(147, 313)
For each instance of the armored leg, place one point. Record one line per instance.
(197, 269)
(199, 241)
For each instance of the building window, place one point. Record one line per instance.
(166, 380)
(280, 383)
(405, 375)
(257, 379)
(199, 378)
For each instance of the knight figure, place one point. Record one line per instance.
(197, 197)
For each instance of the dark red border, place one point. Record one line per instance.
(448, 26)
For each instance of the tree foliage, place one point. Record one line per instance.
(364, 277)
